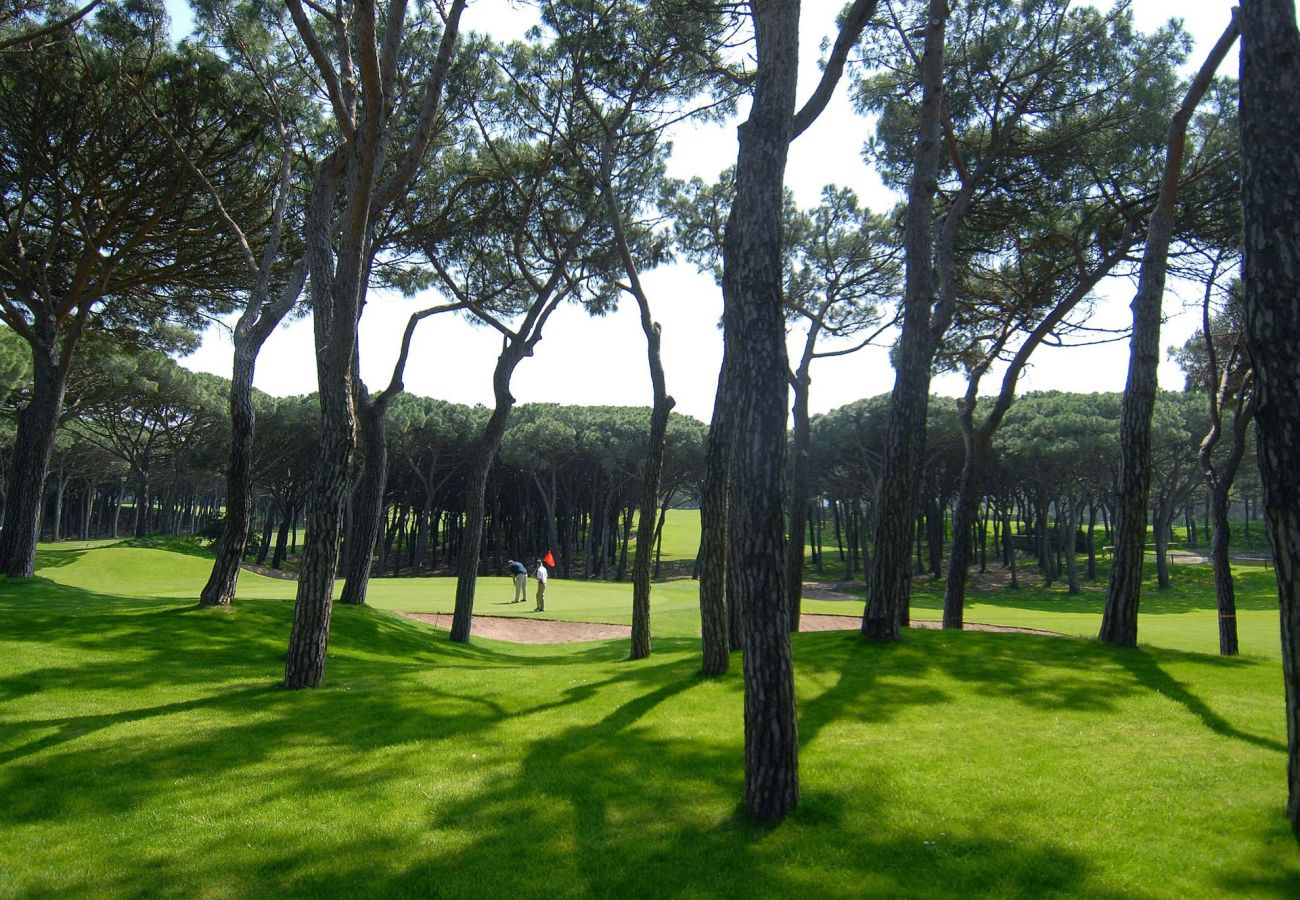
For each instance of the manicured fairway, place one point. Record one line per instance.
(145, 749)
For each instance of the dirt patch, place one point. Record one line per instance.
(528, 630)
(521, 630)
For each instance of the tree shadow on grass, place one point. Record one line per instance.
(616, 808)
(1147, 671)
(50, 559)
(1192, 590)
(608, 779)
(184, 544)
(874, 681)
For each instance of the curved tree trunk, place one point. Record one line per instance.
(1270, 148)
(475, 495)
(220, 587)
(251, 331)
(645, 531)
(1119, 620)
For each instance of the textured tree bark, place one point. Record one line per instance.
(313, 609)
(1119, 620)
(368, 502)
(251, 332)
(1224, 593)
(220, 587)
(714, 535)
(889, 587)
(645, 531)
(475, 494)
(37, 424)
(336, 288)
(1218, 479)
(800, 486)
(754, 328)
(973, 468)
(288, 509)
(1270, 149)
(338, 253)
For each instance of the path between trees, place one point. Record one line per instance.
(527, 630)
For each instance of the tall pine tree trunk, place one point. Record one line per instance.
(336, 288)
(1119, 620)
(476, 494)
(754, 328)
(889, 587)
(1270, 149)
(663, 405)
(222, 581)
(714, 535)
(1069, 540)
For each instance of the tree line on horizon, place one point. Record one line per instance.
(285, 159)
(144, 442)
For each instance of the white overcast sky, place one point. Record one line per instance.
(602, 361)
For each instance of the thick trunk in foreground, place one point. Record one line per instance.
(337, 287)
(313, 609)
(1119, 620)
(1270, 149)
(37, 424)
(889, 587)
(754, 327)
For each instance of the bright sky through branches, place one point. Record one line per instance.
(602, 361)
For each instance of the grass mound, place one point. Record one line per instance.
(146, 749)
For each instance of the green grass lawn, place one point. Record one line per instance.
(145, 749)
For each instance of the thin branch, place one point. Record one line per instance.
(324, 66)
(399, 368)
(855, 20)
(51, 28)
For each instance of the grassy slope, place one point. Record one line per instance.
(145, 749)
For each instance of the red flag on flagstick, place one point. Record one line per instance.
(548, 559)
